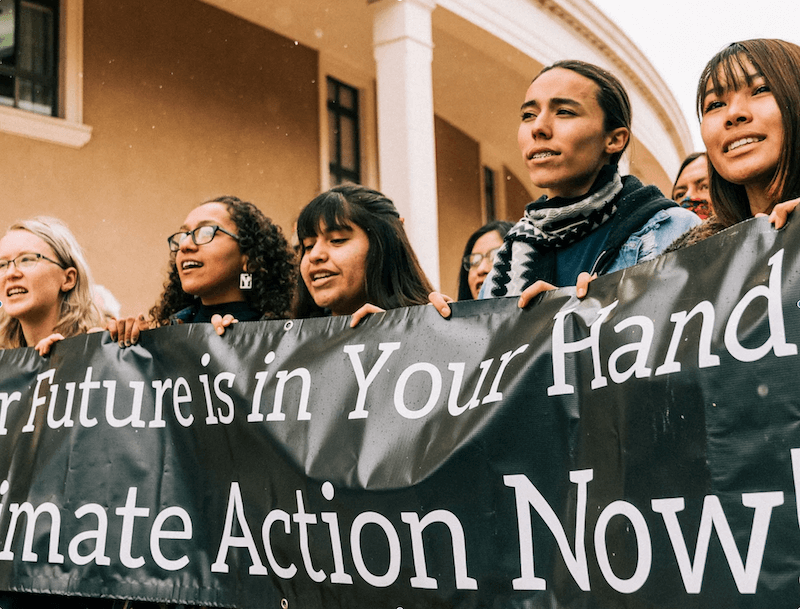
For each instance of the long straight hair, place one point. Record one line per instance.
(78, 312)
(394, 277)
(779, 63)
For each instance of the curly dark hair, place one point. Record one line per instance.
(269, 258)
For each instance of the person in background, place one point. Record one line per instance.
(355, 256)
(479, 255)
(228, 263)
(46, 286)
(691, 187)
(107, 304)
(748, 102)
(575, 124)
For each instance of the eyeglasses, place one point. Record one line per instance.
(26, 261)
(473, 260)
(201, 235)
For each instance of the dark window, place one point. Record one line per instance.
(28, 55)
(343, 134)
(489, 195)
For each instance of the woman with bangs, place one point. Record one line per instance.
(748, 101)
(355, 256)
(46, 286)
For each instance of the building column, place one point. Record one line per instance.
(403, 47)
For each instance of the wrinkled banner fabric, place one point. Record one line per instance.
(639, 448)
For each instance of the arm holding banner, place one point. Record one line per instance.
(127, 330)
(441, 301)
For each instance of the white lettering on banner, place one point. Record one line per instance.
(745, 573)
(283, 376)
(777, 334)
(776, 342)
(368, 520)
(364, 381)
(6, 399)
(528, 496)
(561, 348)
(301, 527)
(644, 548)
(236, 509)
(98, 537)
(147, 403)
(434, 397)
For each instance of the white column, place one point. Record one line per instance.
(403, 45)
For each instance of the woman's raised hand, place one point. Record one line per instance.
(43, 346)
(220, 323)
(126, 330)
(362, 312)
(440, 302)
(780, 213)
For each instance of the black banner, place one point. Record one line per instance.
(639, 448)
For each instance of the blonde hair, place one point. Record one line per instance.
(78, 311)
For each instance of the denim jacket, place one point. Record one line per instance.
(650, 241)
(654, 237)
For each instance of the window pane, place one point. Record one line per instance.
(343, 138)
(348, 160)
(6, 90)
(35, 97)
(36, 39)
(333, 137)
(347, 97)
(7, 33)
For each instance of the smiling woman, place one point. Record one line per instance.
(355, 252)
(749, 106)
(45, 283)
(228, 260)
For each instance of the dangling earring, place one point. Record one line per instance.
(245, 281)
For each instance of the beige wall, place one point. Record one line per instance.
(458, 166)
(186, 102)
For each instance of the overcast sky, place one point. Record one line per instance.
(680, 36)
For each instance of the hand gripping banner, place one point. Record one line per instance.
(639, 448)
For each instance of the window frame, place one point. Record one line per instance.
(367, 121)
(50, 81)
(67, 128)
(339, 112)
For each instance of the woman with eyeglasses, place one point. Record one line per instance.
(478, 258)
(227, 260)
(46, 286)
